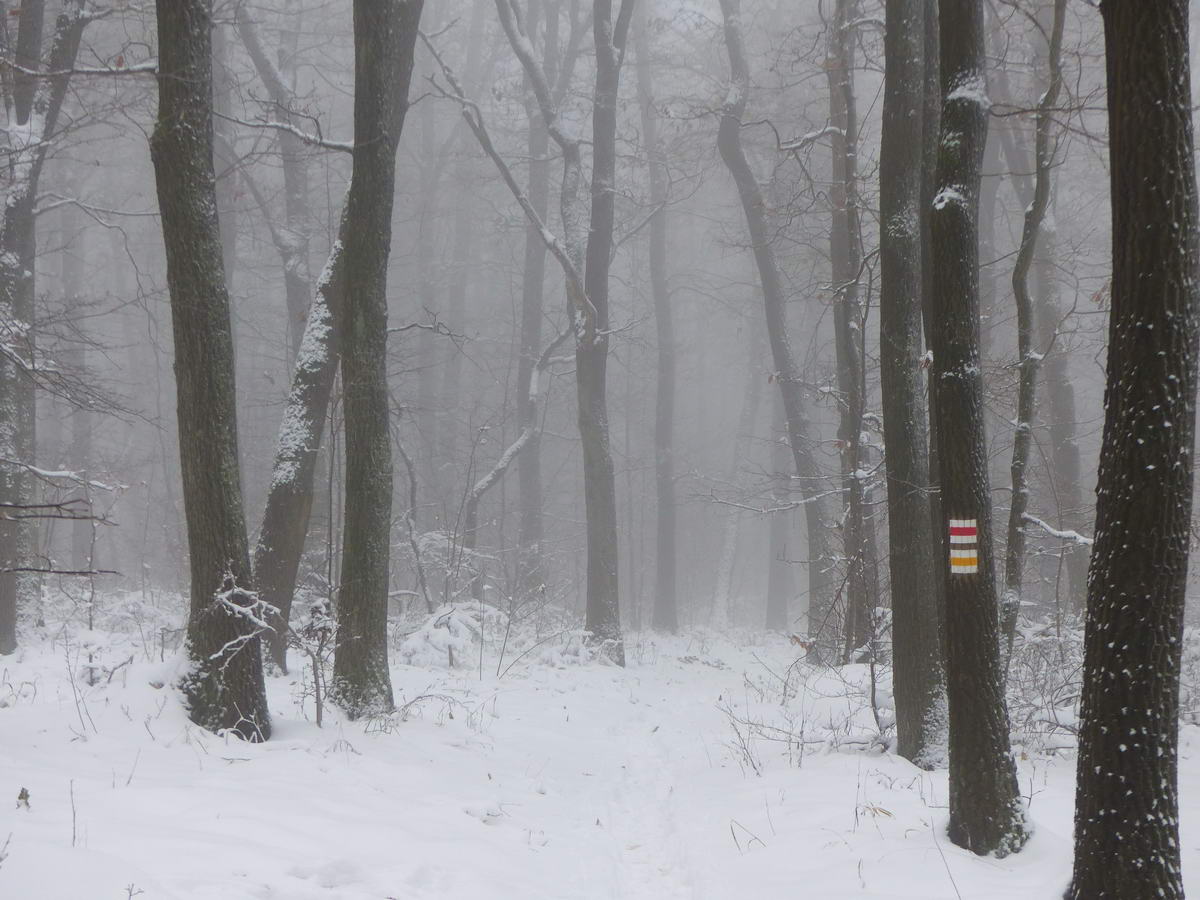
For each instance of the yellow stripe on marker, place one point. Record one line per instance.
(964, 562)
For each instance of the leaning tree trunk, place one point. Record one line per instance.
(290, 495)
(224, 686)
(986, 814)
(1028, 358)
(917, 667)
(666, 614)
(385, 35)
(1127, 799)
(729, 143)
(603, 614)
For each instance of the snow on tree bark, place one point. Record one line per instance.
(917, 666)
(385, 35)
(224, 686)
(1127, 801)
(986, 813)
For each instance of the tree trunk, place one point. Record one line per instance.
(666, 614)
(917, 667)
(384, 43)
(603, 617)
(290, 495)
(846, 255)
(729, 143)
(1028, 357)
(1127, 800)
(531, 564)
(986, 814)
(224, 687)
(931, 117)
(18, 251)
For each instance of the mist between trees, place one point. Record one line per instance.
(334, 317)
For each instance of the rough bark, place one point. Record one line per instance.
(786, 375)
(224, 686)
(986, 813)
(931, 117)
(289, 504)
(917, 667)
(385, 37)
(1127, 801)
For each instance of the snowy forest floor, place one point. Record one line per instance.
(708, 768)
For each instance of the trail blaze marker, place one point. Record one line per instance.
(964, 538)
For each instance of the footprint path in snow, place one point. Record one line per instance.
(650, 860)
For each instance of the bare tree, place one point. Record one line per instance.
(1127, 799)
(224, 687)
(385, 37)
(986, 813)
(1029, 356)
(917, 674)
(786, 374)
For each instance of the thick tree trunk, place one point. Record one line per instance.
(385, 36)
(729, 143)
(917, 667)
(931, 117)
(1127, 800)
(1029, 357)
(986, 813)
(666, 614)
(224, 687)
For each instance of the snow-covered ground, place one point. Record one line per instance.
(553, 781)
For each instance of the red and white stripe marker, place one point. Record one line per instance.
(964, 538)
